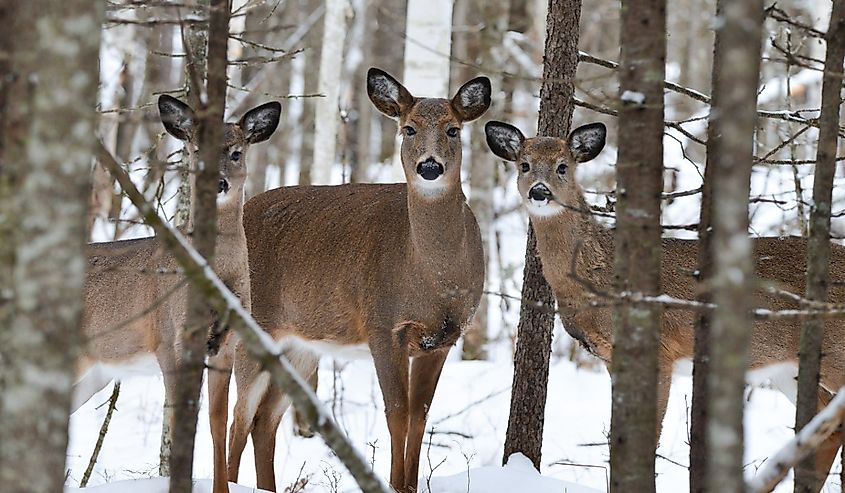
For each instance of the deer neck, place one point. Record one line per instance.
(563, 236)
(230, 212)
(437, 226)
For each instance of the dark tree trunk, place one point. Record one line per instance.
(701, 357)
(639, 177)
(818, 247)
(47, 131)
(733, 119)
(536, 317)
(203, 234)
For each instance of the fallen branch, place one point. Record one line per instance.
(805, 441)
(257, 342)
(102, 437)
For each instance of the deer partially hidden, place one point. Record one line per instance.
(395, 270)
(568, 235)
(135, 296)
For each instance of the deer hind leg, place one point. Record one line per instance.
(252, 385)
(301, 427)
(664, 385)
(425, 373)
(827, 451)
(390, 355)
(219, 376)
(269, 414)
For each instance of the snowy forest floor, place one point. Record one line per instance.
(466, 430)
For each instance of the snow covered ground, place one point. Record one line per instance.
(466, 430)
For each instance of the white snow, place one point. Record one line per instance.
(633, 97)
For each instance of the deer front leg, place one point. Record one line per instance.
(219, 376)
(390, 355)
(425, 373)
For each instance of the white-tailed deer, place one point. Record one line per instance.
(135, 296)
(393, 269)
(565, 228)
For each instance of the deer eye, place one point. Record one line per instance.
(452, 132)
(524, 167)
(236, 156)
(561, 169)
(409, 131)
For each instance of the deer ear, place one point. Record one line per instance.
(472, 99)
(260, 122)
(387, 94)
(504, 140)
(178, 118)
(587, 141)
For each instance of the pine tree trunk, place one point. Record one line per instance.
(204, 234)
(818, 246)
(49, 167)
(536, 316)
(639, 183)
(733, 118)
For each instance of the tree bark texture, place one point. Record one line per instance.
(536, 317)
(204, 235)
(701, 356)
(47, 156)
(818, 245)
(733, 118)
(639, 183)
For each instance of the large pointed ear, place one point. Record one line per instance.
(178, 118)
(387, 94)
(260, 122)
(504, 140)
(587, 141)
(472, 99)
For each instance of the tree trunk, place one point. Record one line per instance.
(363, 152)
(701, 356)
(536, 316)
(818, 245)
(48, 129)
(326, 117)
(733, 118)
(482, 172)
(203, 226)
(311, 59)
(639, 183)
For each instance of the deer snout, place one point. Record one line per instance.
(222, 186)
(430, 169)
(540, 193)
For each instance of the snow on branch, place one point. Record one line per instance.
(805, 441)
(258, 343)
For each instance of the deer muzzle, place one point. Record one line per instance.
(540, 193)
(430, 169)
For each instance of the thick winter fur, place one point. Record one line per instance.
(135, 297)
(779, 262)
(396, 267)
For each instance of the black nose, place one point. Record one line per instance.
(222, 186)
(429, 169)
(539, 192)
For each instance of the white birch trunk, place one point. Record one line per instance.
(427, 48)
(327, 115)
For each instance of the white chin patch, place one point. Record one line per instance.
(429, 188)
(542, 208)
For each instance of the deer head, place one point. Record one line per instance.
(431, 129)
(257, 125)
(546, 165)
